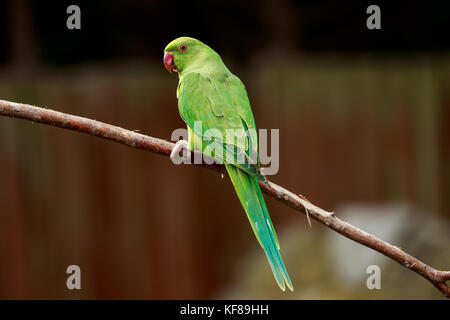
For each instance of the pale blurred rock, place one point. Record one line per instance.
(326, 265)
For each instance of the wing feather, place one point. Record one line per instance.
(220, 102)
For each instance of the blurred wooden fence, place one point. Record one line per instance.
(370, 129)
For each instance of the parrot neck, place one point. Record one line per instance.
(209, 62)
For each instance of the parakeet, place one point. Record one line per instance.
(210, 95)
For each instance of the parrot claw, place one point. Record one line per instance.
(175, 154)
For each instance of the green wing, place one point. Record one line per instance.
(220, 102)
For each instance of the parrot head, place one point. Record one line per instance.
(184, 51)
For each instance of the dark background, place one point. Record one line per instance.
(363, 118)
(124, 29)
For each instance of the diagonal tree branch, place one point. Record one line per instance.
(297, 202)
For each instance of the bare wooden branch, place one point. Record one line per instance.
(297, 202)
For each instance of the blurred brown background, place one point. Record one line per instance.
(363, 118)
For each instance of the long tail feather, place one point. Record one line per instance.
(249, 193)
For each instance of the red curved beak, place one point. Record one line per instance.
(169, 62)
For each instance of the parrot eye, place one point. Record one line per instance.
(183, 47)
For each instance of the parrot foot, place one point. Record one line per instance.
(181, 145)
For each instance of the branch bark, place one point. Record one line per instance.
(297, 202)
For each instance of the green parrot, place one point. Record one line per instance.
(211, 98)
